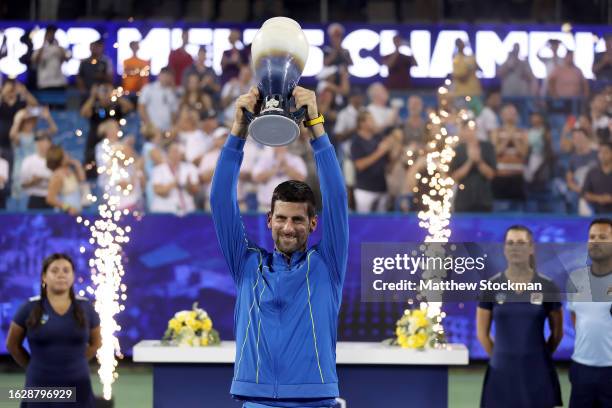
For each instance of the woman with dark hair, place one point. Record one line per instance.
(63, 333)
(520, 371)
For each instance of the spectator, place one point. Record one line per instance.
(399, 65)
(275, 165)
(152, 155)
(194, 97)
(158, 104)
(370, 152)
(180, 59)
(334, 54)
(473, 168)
(207, 77)
(233, 89)
(175, 183)
(345, 128)
(4, 177)
(540, 167)
(48, 60)
(97, 69)
(487, 121)
(101, 104)
(64, 185)
(336, 79)
(465, 81)
(414, 128)
(135, 71)
(209, 123)
(383, 115)
(516, 76)
(35, 175)
(599, 116)
(511, 150)
(23, 132)
(233, 59)
(597, 188)
(567, 81)
(209, 162)
(327, 107)
(112, 149)
(396, 169)
(13, 97)
(583, 122)
(346, 121)
(602, 64)
(582, 159)
(194, 142)
(550, 62)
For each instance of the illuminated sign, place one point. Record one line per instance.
(432, 48)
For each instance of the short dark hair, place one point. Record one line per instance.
(607, 143)
(518, 227)
(601, 220)
(294, 191)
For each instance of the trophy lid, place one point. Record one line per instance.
(280, 36)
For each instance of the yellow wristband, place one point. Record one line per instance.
(315, 121)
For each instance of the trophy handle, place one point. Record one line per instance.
(248, 114)
(299, 114)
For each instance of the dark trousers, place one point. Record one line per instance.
(591, 386)
(38, 203)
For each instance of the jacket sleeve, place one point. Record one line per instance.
(334, 242)
(224, 206)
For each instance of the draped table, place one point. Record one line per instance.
(371, 375)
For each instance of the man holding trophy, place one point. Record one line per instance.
(288, 300)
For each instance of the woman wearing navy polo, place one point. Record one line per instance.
(63, 333)
(521, 372)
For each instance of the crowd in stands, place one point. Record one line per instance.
(509, 154)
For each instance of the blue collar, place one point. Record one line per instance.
(295, 256)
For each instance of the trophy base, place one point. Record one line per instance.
(274, 130)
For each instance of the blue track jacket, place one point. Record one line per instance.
(286, 314)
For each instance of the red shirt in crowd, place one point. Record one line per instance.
(178, 61)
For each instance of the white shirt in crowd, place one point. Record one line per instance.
(161, 103)
(49, 67)
(4, 172)
(127, 198)
(178, 201)
(35, 166)
(233, 89)
(383, 115)
(266, 161)
(486, 122)
(209, 162)
(346, 120)
(195, 144)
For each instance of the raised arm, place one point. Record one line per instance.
(334, 243)
(223, 196)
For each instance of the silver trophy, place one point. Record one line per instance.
(279, 52)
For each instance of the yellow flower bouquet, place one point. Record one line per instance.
(419, 329)
(191, 328)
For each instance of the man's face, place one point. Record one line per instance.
(96, 50)
(605, 154)
(600, 242)
(290, 226)
(509, 114)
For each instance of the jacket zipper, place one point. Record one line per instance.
(278, 301)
